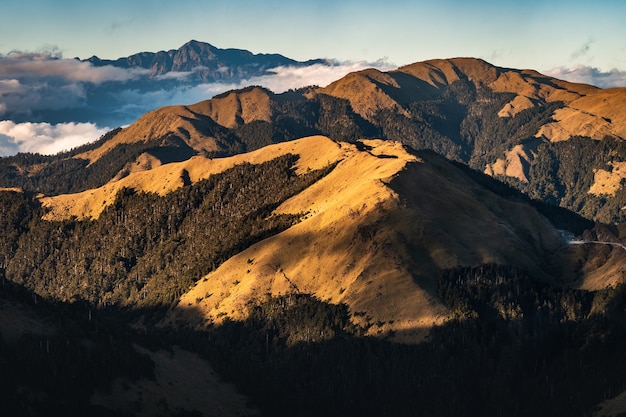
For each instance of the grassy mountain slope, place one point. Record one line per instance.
(378, 229)
(525, 128)
(373, 233)
(291, 272)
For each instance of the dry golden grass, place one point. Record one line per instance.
(144, 162)
(608, 182)
(316, 152)
(530, 87)
(11, 189)
(183, 380)
(349, 247)
(362, 91)
(324, 256)
(186, 121)
(514, 165)
(153, 125)
(598, 114)
(436, 72)
(237, 107)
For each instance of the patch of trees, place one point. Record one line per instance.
(144, 249)
(517, 347)
(295, 116)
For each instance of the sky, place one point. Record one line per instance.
(583, 41)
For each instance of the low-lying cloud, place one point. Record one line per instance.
(50, 104)
(590, 75)
(45, 138)
(280, 80)
(31, 65)
(285, 78)
(40, 86)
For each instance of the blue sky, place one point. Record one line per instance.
(522, 34)
(582, 41)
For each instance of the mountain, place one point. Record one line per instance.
(281, 264)
(204, 62)
(325, 251)
(556, 141)
(115, 92)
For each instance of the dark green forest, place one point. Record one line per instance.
(517, 347)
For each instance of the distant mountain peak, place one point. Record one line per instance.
(240, 63)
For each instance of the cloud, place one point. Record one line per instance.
(285, 78)
(45, 138)
(35, 65)
(31, 82)
(590, 75)
(23, 97)
(280, 80)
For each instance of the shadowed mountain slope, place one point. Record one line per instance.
(375, 232)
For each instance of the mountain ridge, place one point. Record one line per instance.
(204, 61)
(516, 125)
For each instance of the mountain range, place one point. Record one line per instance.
(442, 239)
(203, 62)
(115, 92)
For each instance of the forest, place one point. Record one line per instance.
(516, 347)
(145, 250)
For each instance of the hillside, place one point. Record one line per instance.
(294, 268)
(524, 128)
(377, 249)
(383, 215)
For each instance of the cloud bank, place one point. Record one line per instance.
(39, 86)
(590, 75)
(50, 104)
(45, 138)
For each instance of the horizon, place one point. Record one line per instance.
(533, 35)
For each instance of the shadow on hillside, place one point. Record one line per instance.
(489, 363)
(297, 355)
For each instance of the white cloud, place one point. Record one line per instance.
(38, 65)
(45, 138)
(590, 75)
(30, 82)
(285, 78)
(281, 80)
(25, 97)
